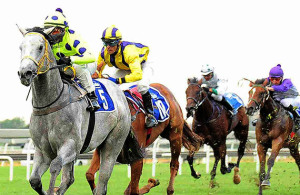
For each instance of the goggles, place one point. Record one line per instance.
(275, 79)
(109, 42)
(57, 30)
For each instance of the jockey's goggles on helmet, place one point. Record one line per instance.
(275, 79)
(110, 42)
(57, 30)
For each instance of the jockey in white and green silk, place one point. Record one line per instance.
(69, 48)
(217, 87)
(130, 60)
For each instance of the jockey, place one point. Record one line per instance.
(70, 49)
(283, 91)
(130, 60)
(215, 86)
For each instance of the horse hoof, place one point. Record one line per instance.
(266, 183)
(154, 181)
(212, 184)
(197, 175)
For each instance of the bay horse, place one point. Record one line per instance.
(213, 123)
(175, 129)
(60, 121)
(272, 130)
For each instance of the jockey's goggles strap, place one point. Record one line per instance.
(41, 63)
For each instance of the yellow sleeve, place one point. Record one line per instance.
(131, 56)
(100, 65)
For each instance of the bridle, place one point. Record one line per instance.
(196, 99)
(263, 100)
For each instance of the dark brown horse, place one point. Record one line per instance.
(175, 129)
(213, 123)
(272, 130)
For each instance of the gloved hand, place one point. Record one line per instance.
(64, 60)
(113, 80)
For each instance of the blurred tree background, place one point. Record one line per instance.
(15, 123)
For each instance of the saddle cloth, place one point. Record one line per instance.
(160, 105)
(104, 99)
(234, 100)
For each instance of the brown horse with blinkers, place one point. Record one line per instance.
(213, 123)
(272, 130)
(175, 129)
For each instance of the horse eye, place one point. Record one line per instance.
(41, 48)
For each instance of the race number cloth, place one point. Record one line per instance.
(160, 105)
(234, 100)
(104, 99)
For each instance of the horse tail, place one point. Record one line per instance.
(191, 140)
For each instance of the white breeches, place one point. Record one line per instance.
(143, 84)
(295, 102)
(83, 73)
(217, 97)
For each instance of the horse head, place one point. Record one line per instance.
(195, 95)
(36, 55)
(258, 95)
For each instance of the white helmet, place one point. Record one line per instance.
(206, 69)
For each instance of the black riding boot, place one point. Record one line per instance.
(150, 120)
(296, 117)
(94, 100)
(228, 106)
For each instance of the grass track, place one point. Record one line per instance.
(285, 180)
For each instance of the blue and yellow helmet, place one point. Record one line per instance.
(111, 33)
(56, 19)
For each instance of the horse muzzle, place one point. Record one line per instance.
(26, 77)
(190, 111)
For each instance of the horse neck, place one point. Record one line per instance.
(205, 110)
(46, 87)
(270, 106)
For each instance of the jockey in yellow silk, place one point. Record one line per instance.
(130, 61)
(70, 49)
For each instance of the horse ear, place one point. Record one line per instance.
(266, 82)
(189, 81)
(48, 31)
(22, 30)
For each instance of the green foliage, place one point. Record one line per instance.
(15, 123)
(284, 180)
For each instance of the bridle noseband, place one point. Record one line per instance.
(263, 100)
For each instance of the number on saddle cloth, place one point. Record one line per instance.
(234, 100)
(104, 99)
(161, 107)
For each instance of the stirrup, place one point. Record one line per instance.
(150, 121)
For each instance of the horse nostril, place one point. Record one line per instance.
(249, 110)
(28, 74)
(19, 73)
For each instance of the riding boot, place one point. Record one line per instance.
(228, 106)
(296, 114)
(150, 120)
(94, 101)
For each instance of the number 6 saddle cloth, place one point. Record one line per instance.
(160, 105)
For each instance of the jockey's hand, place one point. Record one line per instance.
(95, 75)
(210, 90)
(113, 80)
(64, 60)
(270, 88)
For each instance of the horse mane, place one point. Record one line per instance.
(193, 80)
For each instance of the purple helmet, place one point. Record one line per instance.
(276, 71)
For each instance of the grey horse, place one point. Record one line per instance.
(59, 121)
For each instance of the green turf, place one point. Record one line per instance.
(285, 180)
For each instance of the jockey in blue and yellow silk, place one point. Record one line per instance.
(130, 60)
(70, 49)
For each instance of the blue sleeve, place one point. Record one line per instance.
(284, 86)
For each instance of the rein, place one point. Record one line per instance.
(199, 103)
(265, 98)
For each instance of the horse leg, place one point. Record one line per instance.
(222, 153)
(94, 167)
(67, 178)
(241, 151)
(295, 153)
(66, 155)
(261, 151)
(213, 171)
(40, 166)
(190, 159)
(109, 151)
(175, 139)
(276, 146)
